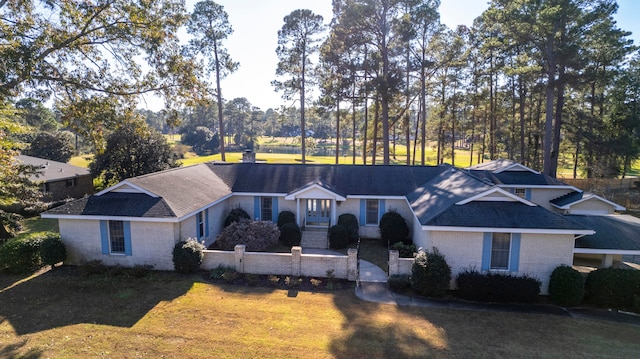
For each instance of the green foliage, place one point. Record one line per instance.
(255, 235)
(202, 141)
(430, 274)
(350, 222)
(55, 146)
(338, 237)
(21, 255)
(187, 256)
(52, 250)
(131, 152)
(393, 228)
(612, 287)
(235, 215)
(404, 250)
(399, 282)
(290, 234)
(223, 273)
(566, 286)
(497, 287)
(285, 217)
(94, 267)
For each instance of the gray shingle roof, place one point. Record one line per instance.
(568, 198)
(502, 215)
(117, 204)
(611, 233)
(514, 178)
(52, 170)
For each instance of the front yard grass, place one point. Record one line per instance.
(61, 313)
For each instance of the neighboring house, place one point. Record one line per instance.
(474, 221)
(59, 180)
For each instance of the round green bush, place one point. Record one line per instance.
(612, 287)
(399, 282)
(338, 237)
(290, 234)
(235, 215)
(350, 222)
(21, 255)
(430, 274)
(285, 217)
(393, 228)
(404, 250)
(187, 256)
(52, 250)
(566, 286)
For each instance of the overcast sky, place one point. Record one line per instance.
(256, 24)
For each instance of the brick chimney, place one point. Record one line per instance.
(248, 156)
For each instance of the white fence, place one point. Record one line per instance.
(294, 264)
(399, 266)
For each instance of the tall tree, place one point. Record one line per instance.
(209, 23)
(297, 41)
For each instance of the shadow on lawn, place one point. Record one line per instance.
(63, 297)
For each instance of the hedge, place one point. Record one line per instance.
(613, 288)
(497, 287)
(566, 286)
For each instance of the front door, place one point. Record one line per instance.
(318, 212)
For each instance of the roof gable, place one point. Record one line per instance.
(574, 198)
(501, 165)
(315, 189)
(495, 194)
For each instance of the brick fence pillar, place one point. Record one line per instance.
(239, 257)
(394, 262)
(296, 261)
(352, 264)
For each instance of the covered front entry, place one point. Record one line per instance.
(318, 213)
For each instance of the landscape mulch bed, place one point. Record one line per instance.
(304, 284)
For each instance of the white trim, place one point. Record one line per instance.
(256, 194)
(479, 197)
(508, 230)
(605, 251)
(293, 195)
(114, 187)
(539, 186)
(359, 196)
(112, 218)
(590, 196)
(510, 167)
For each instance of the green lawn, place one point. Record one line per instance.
(61, 314)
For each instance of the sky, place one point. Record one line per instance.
(256, 24)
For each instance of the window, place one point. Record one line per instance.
(200, 224)
(372, 210)
(520, 192)
(266, 209)
(116, 236)
(46, 187)
(500, 250)
(71, 182)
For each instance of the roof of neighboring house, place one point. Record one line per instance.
(501, 165)
(515, 178)
(117, 204)
(503, 215)
(612, 232)
(52, 170)
(575, 197)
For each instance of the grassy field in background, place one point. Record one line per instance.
(64, 314)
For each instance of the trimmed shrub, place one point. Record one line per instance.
(393, 228)
(235, 215)
(399, 282)
(497, 287)
(338, 237)
(187, 256)
(285, 217)
(566, 286)
(255, 235)
(52, 250)
(430, 274)
(21, 255)
(141, 270)
(404, 250)
(290, 234)
(350, 222)
(612, 287)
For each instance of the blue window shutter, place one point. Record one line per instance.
(363, 212)
(486, 251)
(206, 222)
(126, 225)
(515, 252)
(256, 207)
(527, 194)
(274, 207)
(104, 236)
(198, 234)
(381, 209)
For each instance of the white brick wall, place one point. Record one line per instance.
(462, 250)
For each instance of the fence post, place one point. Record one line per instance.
(394, 262)
(239, 257)
(352, 264)
(296, 261)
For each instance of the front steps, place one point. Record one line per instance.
(315, 238)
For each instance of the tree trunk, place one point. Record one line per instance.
(219, 98)
(338, 131)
